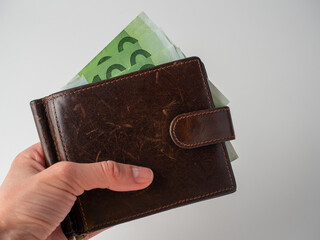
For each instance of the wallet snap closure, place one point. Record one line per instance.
(201, 128)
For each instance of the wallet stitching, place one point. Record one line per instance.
(56, 116)
(202, 142)
(46, 140)
(128, 77)
(172, 204)
(136, 75)
(227, 163)
(51, 127)
(82, 214)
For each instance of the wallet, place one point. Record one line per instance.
(162, 118)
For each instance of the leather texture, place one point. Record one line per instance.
(201, 128)
(42, 125)
(131, 119)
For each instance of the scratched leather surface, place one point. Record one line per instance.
(127, 119)
(200, 128)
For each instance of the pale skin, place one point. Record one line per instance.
(34, 199)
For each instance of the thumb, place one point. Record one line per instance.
(78, 177)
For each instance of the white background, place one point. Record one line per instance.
(263, 55)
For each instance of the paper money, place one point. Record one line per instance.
(143, 51)
(139, 46)
(140, 27)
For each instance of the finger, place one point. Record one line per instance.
(26, 164)
(38, 154)
(77, 177)
(33, 156)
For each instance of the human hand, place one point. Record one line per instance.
(34, 199)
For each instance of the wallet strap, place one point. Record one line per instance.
(201, 128)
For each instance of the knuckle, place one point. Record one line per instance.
(63, 169)
(111, 169)
(63, 175)
(18, 160)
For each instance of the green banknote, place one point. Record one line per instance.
(143, 51)
(163, 56)
(139, 46)
(140, 27)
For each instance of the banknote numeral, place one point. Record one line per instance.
(133, 57)
(113, 67)
(102, 60)
(125, 40)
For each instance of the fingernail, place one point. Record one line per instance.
(142, 174)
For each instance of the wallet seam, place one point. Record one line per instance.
(179, 117)
(51, 129)
(45, 137)
(59, 129)
(128, 77)
(132, 76)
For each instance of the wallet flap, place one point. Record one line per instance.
(201, 128)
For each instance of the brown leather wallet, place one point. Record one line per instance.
(162, 118)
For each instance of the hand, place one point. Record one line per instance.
(34, 199)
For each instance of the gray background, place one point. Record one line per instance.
(263, 55)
